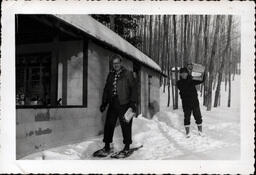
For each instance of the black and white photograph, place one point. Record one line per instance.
(127, 87)
(70, 69)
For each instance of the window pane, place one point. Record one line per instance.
(75, 80)
(32, 79)
(70, 73)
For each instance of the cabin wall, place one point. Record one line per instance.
(39, 129)
(127, 64)
(98, 69)
(150, 96)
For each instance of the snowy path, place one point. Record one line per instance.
(163, 136)
(161, 140)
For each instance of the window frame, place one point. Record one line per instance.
(55, 68)
(28, 68)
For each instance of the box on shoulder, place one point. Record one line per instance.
(197, 71)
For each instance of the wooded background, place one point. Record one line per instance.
(173, 41)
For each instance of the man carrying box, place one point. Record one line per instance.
(190, 103)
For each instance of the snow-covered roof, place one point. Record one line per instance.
(97, 30)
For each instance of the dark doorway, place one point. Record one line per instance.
(137, 76)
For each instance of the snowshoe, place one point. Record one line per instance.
(121, 154)
(125, 153)
(103, 152)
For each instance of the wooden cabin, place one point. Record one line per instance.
(62, 62)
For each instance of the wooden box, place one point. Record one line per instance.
(197, 72)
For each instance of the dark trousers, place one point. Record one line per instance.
(188, 108)
(115, 111)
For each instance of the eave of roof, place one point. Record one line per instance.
(97, 30)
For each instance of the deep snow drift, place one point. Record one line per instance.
(163, 136)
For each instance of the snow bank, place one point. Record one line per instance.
(161, 139)
(163, 136)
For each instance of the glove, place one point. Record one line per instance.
(102, 108)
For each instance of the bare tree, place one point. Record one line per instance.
(185, 58)
(211, 64)
(112, 22)
(166, 53)
(150, 51)
(155, 41)
(206, 33)
(175, 105)
(181, 40)
(159, 38)
(229, 77)
(173, 41)
(145, 34)
(198, 37)
(217, 93)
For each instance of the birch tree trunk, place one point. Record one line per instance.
(181, 41)
(175, 105)
(141, 33)
(206, 32)
(150, 36)
(159, 38)
(226, 82)
(166, 38)
(112, 22)
(229, 78)
(217, 93)
(163, 51)
(155, 42)
(189, 40)
(145, 35)
(211, 64)
(198, 40)
(185, 59)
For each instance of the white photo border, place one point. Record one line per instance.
(8, 162)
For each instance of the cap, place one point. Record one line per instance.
(182, 70)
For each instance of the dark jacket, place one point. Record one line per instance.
(126, 88)
(188, 92)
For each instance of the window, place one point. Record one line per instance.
(57, 78)
(33, 79)
(72, 73)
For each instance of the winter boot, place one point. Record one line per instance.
(104, 152)
(126, 147)
(187, 128)
(107, 146)
(200, 130)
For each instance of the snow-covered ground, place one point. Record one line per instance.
(163, 136)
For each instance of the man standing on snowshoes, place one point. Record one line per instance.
(190, 103)
(120, 94)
